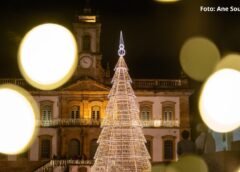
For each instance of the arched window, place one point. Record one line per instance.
(93, 148)
(168, 148)
(95, 112)
(46, 110)
(74, 148)
(86, 43)
(168, 111)
(45, 147)
(146, 110)
(74, 112)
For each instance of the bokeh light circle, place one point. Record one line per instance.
(238, 170)
(192, 163)
(188, 163)
(230, 61)
(47, 56)
(219, 101)
(158, 167)
(198, 58)
(173, 167)
(18, 114)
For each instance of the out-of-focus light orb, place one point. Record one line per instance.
(198, 58)
(190, 163)
(48, 56)
(167, 1)
(18, 114)
(173, 167)
(157, 168)
(231, 61)
(219, 101)
(238, 170)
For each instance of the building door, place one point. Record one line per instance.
(94, 146)
(82, 169)
(74, 149)
(168, 150)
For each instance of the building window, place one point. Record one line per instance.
(169, 148)
(45, 147)
(74, 112)
(46, 110)
(95, 112)
(145, 113)
(168, 111)
(149, 144)
(94, 146)
(168, 115)
(86, 46)
(74, 149)
(146, 110)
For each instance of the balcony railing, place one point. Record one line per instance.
(20, 82)
(69, 122)
(160, 83)
(63, 163)
(160, 123)
(94, 122)
(137, 83)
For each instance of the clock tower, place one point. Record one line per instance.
(87, 30)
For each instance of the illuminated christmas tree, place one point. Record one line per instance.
(121, 142)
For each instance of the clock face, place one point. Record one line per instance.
(85, 62)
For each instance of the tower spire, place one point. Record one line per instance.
(121, 50)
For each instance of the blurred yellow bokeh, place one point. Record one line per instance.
(173, 167)
(198, 58)
(47, 56)
(188, 163)
(230, 61)
(219, 101)
(157, 168)
(18, 114)
(238, 170)
(192, 163)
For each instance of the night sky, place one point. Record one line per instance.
(153, 32)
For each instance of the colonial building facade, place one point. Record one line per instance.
(70, 116)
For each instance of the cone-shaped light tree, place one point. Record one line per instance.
(121, 142)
